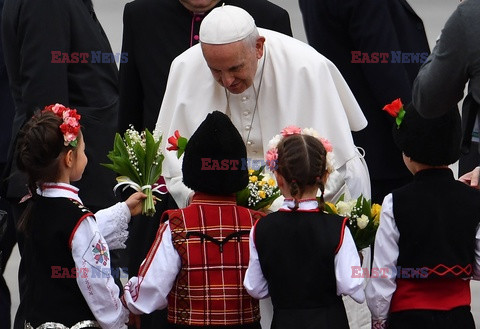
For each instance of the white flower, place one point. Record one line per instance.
(330, 162)
(274, 141)
(345, 207)
(362, 222)
(310, 132)
(157, 134)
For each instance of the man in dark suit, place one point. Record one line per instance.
(7, 226)
(378, 46)
(51, 50)
(154, 33)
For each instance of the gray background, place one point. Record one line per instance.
(433, 12)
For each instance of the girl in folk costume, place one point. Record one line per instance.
(198, 261)
(69, 282)
(299, 255)
(429, 246)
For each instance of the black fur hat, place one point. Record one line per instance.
(433, 142)
(215, 156)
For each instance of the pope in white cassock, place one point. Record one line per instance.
(264, 81)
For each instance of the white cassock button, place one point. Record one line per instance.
(244, 98)
(245, 113)
(248, 127)
(249, 143)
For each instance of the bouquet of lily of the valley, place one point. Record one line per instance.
(137, 158)
(260, 192)
(363, 218)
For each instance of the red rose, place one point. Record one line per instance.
(394, 107)
(173, 140)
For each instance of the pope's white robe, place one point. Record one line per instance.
(299, 87)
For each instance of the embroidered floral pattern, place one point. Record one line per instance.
(100, 253)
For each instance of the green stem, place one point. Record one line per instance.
(148, 204)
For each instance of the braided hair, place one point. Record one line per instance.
(38, 149)
(302, 161)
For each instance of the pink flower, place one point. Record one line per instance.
(272, 158)
(326, 144)
(291, 130)
(58, 108)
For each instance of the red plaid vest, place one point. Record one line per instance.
(211, 237)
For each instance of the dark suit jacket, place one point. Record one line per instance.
(32, 29)
(157, 31)
(335, 29)
(6, 107)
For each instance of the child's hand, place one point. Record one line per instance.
(134, 320)
(134, 202)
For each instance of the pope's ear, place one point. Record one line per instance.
(259, 47)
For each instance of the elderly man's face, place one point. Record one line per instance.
(234, 65)
(199, 6)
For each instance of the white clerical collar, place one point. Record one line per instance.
(306, 204)
(59, 190)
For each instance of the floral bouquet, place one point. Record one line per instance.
(260, 192)
(137, 158)
(363, 221)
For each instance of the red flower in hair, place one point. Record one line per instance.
(70, 126)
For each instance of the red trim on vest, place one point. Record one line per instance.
(153, 250)
(430, 294)
(220, 200)
(46, 187)
(299, 210)
(457, 270)
(76, 227)
(342, 233)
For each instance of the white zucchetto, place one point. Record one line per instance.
(226, 24)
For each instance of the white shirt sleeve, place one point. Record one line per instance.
(148, 292)
(113, 224)
(380, 289)
(254, 281)
(345, 261)
(92, 260)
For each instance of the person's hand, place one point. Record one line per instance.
(134, 320)
(471, 178)
(135, 202)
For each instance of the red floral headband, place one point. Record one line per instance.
(70, 126)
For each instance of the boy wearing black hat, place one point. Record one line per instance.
(198, 261)
(428, 241)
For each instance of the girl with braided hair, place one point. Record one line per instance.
(300, 256)
(66, 255)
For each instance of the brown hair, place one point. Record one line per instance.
(40, 142)
(302, 162)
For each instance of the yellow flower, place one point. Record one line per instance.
(262, 194)
(253, 179)
(250, 172)
(260, 183)
(271, 182)
(332, 206)
(376, 209)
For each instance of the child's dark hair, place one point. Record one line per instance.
(302, 161)
(40, 142)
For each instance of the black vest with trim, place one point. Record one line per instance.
(437, 217)
(296, 252)
(52, 291)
